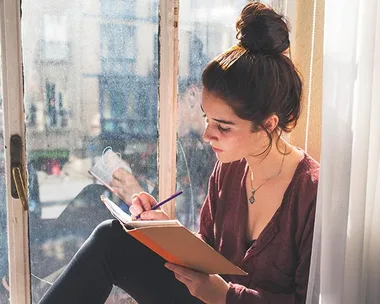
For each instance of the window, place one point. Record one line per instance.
(56, 114)
(120, 9)
(118, 48)
(93, 81)
(152, 9)
(55, 42)
(127, 107)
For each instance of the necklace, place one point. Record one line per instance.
(253, 190)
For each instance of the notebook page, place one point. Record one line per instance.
(123, 217)
(116, 210)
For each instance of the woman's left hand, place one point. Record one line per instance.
(210, 288)
(124, 184)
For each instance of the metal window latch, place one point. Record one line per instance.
(18, 181)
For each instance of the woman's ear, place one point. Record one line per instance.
(271, 123)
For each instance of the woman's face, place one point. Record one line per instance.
(230, 137)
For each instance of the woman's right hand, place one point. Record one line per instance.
(142, 204)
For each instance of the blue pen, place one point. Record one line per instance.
(163, 202)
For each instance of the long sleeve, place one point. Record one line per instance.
(238, 294)
(208, 210)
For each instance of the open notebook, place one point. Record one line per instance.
(175, 243)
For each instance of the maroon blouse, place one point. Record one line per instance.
(278, 261)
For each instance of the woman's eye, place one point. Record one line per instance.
(223, 130)
(220, 128)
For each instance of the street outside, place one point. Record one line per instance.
(57, 190)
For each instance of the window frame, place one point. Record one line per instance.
(15, 123)
(168, 61)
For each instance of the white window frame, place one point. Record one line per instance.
(14, 123)
(167, 106)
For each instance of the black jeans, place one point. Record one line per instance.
(111, 256)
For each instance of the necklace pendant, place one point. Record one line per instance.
(252, 198)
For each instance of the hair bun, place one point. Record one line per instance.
(261, 30)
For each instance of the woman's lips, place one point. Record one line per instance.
(217, 150)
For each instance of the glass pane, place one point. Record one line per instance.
(205, 30)
(4, 288)
(90, 72)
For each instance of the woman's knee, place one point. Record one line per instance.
(106, 231)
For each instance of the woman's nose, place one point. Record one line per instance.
(208, 134)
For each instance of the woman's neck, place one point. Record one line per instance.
(269, 165)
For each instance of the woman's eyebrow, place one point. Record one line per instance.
(226, 122)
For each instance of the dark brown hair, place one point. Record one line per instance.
(255, 77)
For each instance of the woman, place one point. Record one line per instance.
(259, 211)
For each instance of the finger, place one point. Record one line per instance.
(116, 190)
(133, 197)
(147, 201)
(120, 192)
(153, 215)
(135, 210)
(119, 173)
(183, 271)
(115, 183)
(183, 279)
(137, 205)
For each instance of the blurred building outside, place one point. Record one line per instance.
(104, 46)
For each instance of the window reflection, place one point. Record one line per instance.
(55, 45)
(118, 48)
(205, 30)
(90, 82)
(119, 9)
